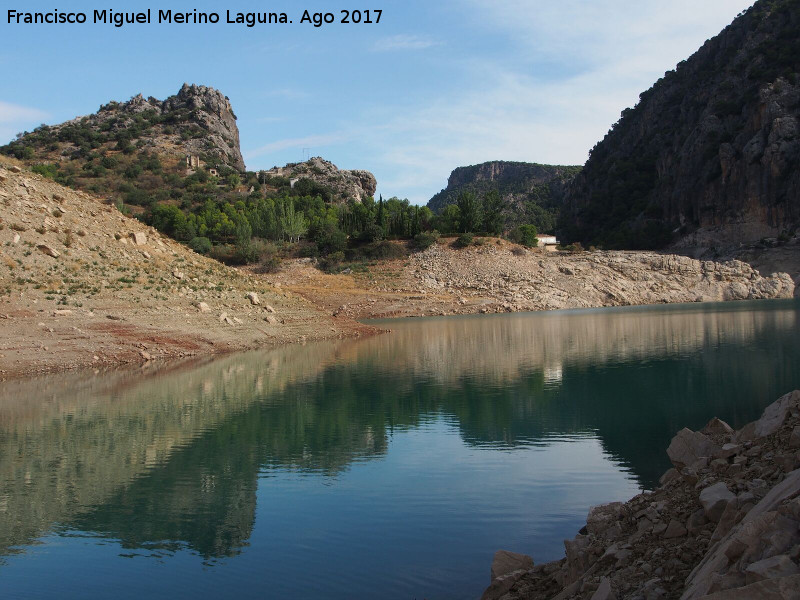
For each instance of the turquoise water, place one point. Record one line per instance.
(391, 467)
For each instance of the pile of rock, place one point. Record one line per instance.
(725, 523)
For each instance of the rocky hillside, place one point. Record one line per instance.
(322, 176)
(198, 121)
(531, 193)
(713, 146)
(724, 524)
(81, 284)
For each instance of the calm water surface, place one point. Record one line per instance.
(392, 467)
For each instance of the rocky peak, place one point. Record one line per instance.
(344, 184)
(198, 120)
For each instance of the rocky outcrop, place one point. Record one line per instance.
(712, 147)
(518, 183)
(339, 184)
(197, 121)
(725, 526)
(544, 281)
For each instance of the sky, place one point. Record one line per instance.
(433, 86)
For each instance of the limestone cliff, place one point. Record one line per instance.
(530, 192)
(713, 146)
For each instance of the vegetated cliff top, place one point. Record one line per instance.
(198, 120)
(714, 145)
(530, 192)
(332, 183)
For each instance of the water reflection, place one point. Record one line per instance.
(173, 458)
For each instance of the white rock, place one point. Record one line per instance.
(253, 297)
(775, 414)
(715, 499)
(689, 446)
(49, 251)
(16, 238)
(139, 238)
(203, 307)
(505, 562)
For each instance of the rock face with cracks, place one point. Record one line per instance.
(725, 523)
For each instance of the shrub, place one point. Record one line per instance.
(201, 245)
(525, 235)
(464, 240)
(384, 250)
(425, 240)
(269, 260)
(371, 233)
(46, 170)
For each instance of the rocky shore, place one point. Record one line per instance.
(723, 524)
(498, 276)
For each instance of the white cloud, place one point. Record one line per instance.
(612, 50)
(15, 118)
(403, 42)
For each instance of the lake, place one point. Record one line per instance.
(389, 467)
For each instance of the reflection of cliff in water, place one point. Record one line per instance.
(68, 443)
(633, 377)
(173, 459)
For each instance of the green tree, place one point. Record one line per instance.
(470, 212)
(293, 223)
(493, 212)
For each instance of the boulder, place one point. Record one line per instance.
(139, 238)
(15, 169)
(269, 309)
(203, 307)
(505, 562)
(715, 499)
(675, 529)
(253, 297)
(688, 446)
(604, 591)
(602, 517)
(45, 249)
(771, 568)
(501, 585)
(717, 426)
(775, 414)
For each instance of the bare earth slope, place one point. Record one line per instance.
(502, 277)
(81, 284)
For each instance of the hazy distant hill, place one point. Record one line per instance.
(532, 193)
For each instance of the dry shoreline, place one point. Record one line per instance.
(82, 285)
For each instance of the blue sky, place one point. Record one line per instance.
(433, 86)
